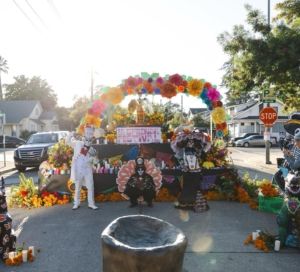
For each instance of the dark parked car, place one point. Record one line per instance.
(35, 151)
(11, 141)
(232, 141)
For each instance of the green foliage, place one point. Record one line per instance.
(199, 121)
(263, 57)
(63, 118)
(79, 109)
(21, 194)
(3, 69)
(33, 88)
(25, 134)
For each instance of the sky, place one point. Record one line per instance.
(62, 41)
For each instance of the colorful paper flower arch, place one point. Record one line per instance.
(168, 86)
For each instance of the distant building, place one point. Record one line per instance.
(27, 115)
(245, 119)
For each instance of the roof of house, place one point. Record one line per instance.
(37, 121)
(47, 115)
(197, 110)
(16, 110)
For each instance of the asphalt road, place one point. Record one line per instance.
(253, 160)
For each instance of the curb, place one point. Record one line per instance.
(7, 171)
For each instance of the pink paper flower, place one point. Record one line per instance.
(213, 94)
(98, 107)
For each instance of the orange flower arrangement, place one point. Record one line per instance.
(164, 195)
(109, 197)
(214, 195)
(268, 189)
(242, 195)
(18, 259)
(259, 243)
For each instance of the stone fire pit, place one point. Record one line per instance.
(138, 243)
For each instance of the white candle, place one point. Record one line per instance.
(277, 245)
(24, 255)
(32, 250)
(11, 255)
(254, 235)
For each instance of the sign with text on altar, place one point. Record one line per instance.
(138, 135)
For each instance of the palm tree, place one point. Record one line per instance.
(4, 69)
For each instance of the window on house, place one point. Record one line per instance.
(252, 124)
(242, 124)
(37, 111)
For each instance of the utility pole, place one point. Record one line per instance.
(3, 122)
(267, 129)
(92, 84)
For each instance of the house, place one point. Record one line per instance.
(27, 115)
(245, 118)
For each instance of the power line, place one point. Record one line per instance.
(27, 17)
(55, 10)
(36, 14)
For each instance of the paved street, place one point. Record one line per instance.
(70, 240)
(252, 160)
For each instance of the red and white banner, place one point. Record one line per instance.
(138, 135)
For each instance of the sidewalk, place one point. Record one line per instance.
(10, 166)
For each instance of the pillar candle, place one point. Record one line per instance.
(32, 250)
(24, 255)
(277, 245)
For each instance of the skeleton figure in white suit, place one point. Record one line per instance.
(82, 167)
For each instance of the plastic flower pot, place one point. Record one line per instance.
(270, 204)
(138, 243)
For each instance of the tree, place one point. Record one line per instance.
(64, 120)
(198, 121)
(264, 57)
(33, 88)
(3, 69)
(79, 109)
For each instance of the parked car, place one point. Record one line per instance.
(232, 141)
(255, 140)
(11, 141)
(35, 151)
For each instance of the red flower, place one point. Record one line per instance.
(45, 193)
(24, 193)
(176, 79)
(207, 85)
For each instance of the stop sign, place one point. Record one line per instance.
(268, 116)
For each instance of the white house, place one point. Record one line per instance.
(27, 115)
(245, 118)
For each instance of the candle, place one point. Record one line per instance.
(11, 255)
(105, 141)
(62, 172)
(163, 165)
(32, 250)
(24, 255)
(277, 245)
(254, 235)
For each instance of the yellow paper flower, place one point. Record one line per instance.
(195, 87)
(218, 115)
(208, 165)
(115, 95)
